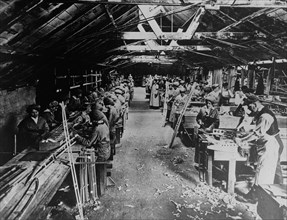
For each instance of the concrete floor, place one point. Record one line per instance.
(149, 185)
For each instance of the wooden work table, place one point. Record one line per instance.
(220, 151)
(25, 196)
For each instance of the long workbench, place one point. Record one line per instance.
(213, 150)
(28, 183)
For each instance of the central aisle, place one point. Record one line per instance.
(140, 173)
(149, 183)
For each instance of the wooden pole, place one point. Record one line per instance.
(270, 76)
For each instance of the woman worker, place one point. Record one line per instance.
(208, 117)
(225, 95)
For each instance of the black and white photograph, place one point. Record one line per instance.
(143, 110)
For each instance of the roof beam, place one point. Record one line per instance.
(221, 42)
(145, 59)
(142, 48)
(192, 26)
(64, 26)
(150, 59)
(17, 14)
(195, 22)
(149, 43)
(112, 19)
(209, 3)
(149, 12)
(247, 18)
(183, 36)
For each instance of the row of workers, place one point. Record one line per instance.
(265, 135)
(97, 120)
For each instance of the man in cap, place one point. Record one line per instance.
(267, 140)
(33, 128)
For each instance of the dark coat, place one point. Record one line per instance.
(30, 133)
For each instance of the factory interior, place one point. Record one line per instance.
(143, 109)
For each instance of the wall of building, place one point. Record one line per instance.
(12, 110)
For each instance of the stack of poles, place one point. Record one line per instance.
(88, 176)
(72, 162)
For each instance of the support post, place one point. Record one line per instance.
(270, 77)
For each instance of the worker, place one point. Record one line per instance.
(267, 140)
(120, 123)
(84, 118)
(49, 114)
(99, 140)
(208, 116)
(179, 102)
(76, 100)
(176, 92)
(169, 100)
(154, 95)
(214, 94)
(98, 110)
(181, 84)
(33, 128)
(112, 116)
(131, 87)
(225, 95)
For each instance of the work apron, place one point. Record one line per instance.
(268, 161)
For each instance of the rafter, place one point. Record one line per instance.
(195, 22)
(17, 14)
(210, 3)
(148, 11)
(112, 19)
(40, 23)
(264, 31)
(150, 43)
(183, 36)
(221, 42)
(150, 59)
(65, 25)
(248, 18)
(142, 48)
